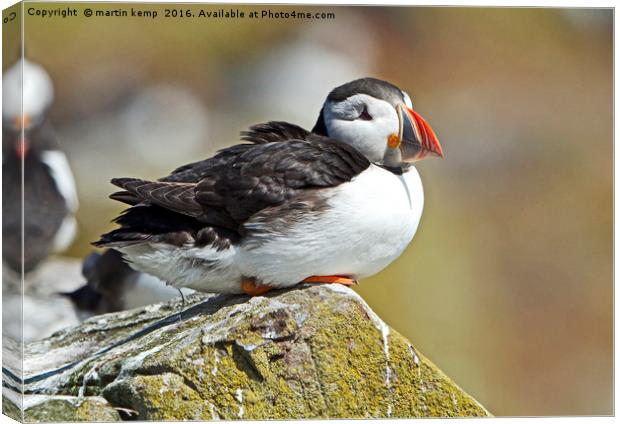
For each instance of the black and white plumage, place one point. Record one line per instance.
(288, 204)
(29, 147)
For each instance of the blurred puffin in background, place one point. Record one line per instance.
(111, 286)
(333, 205)
(29, 150)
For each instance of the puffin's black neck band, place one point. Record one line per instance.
(398, 170)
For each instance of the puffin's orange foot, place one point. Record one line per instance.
(249, 287)
(330, 279)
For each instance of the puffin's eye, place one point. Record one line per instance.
(365, 116)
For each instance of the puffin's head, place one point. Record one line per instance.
(27, 93)
(28, 82)
(378, 119)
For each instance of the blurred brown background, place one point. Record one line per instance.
(508, 283)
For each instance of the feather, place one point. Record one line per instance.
(178, 197)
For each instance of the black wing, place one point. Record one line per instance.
(245, 179)
(272, 173)
(270, 132)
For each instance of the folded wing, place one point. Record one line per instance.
(226, 190)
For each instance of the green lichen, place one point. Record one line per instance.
(308, 353)
(10, 409)
(71, 409)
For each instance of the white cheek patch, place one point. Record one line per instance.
(361, 135)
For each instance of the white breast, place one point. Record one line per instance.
(371, 220)
(62, 175)
(63, 178)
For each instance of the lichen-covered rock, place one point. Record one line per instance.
(11, 409)
(317, 351)
(71, 409)
(44, 408)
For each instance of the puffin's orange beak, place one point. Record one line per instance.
(22, 121)
(417, 138)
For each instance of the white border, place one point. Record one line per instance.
(479, 3)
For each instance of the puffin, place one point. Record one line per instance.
(111, 286)
(30, 151)
(286, 206)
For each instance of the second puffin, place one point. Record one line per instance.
(333, 205)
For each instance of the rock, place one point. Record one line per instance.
(314, 352)
(42, 408)
(10, 408)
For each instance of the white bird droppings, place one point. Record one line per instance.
(454, 401)
(214, 415)
(134, 362)
(216, 360)
(414, 355)
(239, 397)
(89, 376)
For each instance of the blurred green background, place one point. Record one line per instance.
(508, 283)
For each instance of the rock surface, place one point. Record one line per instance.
(42, 408)
(313, 352)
